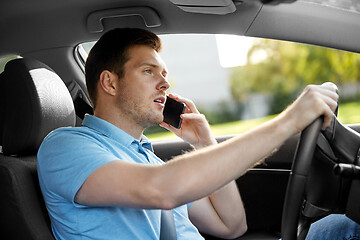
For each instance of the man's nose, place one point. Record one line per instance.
(164, 84)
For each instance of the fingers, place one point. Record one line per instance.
(191, 113)
(330, 90)
(327, 120)
(327, 89)
(331, 86)
(324, 98)
(165, 125)
(170, 128)
(190, 106)
(329, 98)
(326, 92)
(330, 106)
(195, 118)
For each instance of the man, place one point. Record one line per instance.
(102, 181)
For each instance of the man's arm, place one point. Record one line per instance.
(186, 178)
(222, 213)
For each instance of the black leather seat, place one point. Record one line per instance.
(33, 102)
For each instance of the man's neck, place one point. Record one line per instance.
(127, 125)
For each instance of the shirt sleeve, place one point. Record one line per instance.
(66, 159)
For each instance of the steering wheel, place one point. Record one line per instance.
(294, 225)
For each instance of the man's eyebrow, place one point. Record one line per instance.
(149, 64)
(154, 65)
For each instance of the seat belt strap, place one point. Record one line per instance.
(81, 106)
(167, 225)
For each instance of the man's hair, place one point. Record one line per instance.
(111, 53)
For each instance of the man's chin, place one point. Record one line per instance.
(154, 122)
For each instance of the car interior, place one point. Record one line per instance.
(312, 175)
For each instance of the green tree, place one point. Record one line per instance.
(288, 68)
(4, 60)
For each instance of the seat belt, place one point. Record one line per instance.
(167, 225)
(81, 106)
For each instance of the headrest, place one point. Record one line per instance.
(33, 102)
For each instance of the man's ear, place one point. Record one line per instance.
(107, 82)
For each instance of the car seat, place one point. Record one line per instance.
(34, 101)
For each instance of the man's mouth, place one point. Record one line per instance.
(160, 100)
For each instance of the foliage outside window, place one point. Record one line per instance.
(4, 60)
(289, 67)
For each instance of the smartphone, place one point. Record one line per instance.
(172, 111)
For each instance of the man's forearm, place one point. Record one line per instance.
(227, 203)
(229, 206)
(200, 173)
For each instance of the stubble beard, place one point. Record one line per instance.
(141, 115)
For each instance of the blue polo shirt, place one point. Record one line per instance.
(68, 156)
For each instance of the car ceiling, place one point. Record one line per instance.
(30, 26)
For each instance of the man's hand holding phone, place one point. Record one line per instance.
(172, 112)
(193, 128)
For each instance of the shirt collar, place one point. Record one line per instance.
(145, 142)
(111, 131)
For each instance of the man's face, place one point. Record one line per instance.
(143, 88)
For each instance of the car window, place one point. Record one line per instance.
(240, 82)
(349, 5)
(5, 59)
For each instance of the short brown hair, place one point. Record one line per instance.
(110, 53)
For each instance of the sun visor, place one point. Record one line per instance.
(95, 19)
(219, 7)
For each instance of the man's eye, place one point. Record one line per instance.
(148, 71)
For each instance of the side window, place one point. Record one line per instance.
(240, 82)
(5, 59)
(81, 53)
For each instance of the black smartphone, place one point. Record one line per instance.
(172, 111)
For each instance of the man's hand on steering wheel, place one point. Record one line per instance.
(314, 101)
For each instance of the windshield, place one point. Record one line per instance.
(350, 5)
